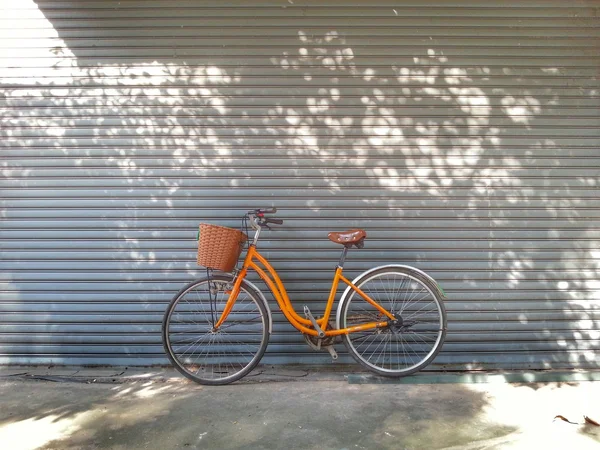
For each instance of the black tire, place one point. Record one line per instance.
(395, 351)
(224, 356)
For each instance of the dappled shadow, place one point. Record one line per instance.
(183, 415)
(461, 163)
(170, 415)
(85, 415)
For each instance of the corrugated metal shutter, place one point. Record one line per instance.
(463, 135)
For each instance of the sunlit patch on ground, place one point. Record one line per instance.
(33, 433)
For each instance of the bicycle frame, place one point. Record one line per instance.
(276, 286)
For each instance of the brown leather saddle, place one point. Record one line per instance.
(350, 237)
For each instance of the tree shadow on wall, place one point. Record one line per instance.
(119, 141)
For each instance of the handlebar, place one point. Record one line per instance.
(258, 219)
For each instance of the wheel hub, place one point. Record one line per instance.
(397, 324)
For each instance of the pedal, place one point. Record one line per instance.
(309, 316)
(332, 352)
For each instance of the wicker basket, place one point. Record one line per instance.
(219, 247)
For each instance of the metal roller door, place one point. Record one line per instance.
(462, 134)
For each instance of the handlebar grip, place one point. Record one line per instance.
(275, 221)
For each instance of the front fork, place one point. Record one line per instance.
(233, 295)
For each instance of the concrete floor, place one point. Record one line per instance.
(320, 411)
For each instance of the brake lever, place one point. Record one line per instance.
(261, 223)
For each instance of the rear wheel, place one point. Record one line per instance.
(209, 356)
(416, 337)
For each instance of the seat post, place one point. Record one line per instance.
(343, 255)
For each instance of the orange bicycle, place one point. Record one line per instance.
(391, 318)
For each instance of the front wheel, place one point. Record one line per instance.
(206, 355)
(411, 343)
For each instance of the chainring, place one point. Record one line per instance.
(313, 341)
